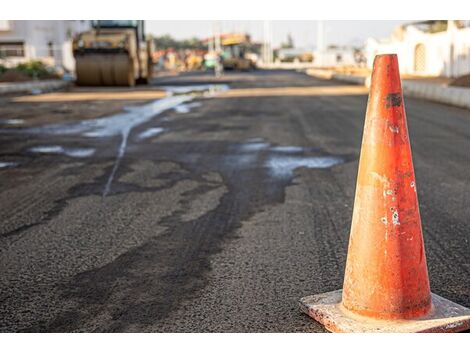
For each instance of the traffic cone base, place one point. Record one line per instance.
(327, 309)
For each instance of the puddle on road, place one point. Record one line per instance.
(253, 146)
(186, 108)
(12, 122)
(121, 124)
(57, 149)
(201, 89)
(7, 164)
(150, 132)
(281, 160)
(254, 140)
(284, 166)
(287, 149)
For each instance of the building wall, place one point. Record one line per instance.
(445, 53)
(49, 41)
(334, 57)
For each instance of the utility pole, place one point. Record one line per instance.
(267, 44)
(320, 43)
(217, 37)
(210, 44)
(218, 50)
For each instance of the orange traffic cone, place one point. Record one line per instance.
(386, 286)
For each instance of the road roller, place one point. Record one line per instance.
(113, 53)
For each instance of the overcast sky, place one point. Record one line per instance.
(303, 32)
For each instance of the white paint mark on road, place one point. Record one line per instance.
(205, 89)
(287, 149)
(57, 149)
(120, 154)
(79, 152)
(186, 108)
(125, 122)
(48, 149)
(283, 166)
(253, 147)
(7, 164)
(122, 124)
(115, 125)
(12, 122)
(150, 132)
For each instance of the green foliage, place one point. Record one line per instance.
(34, 69)
(27, 71)
(289, 44)
(438, 26)
(166, 42)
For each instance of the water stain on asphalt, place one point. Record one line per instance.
(174, 264)
(150, 132)
(122, 124)
(7, 164)
(57, 149)
(283, 160)
(284, 166)
(254, 146)
(186, 108)
(287, 149)
(207, 90)
(12, 122)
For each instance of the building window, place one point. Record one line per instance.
(11, 49)
(50, 49)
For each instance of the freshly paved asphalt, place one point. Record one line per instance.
(214, 224)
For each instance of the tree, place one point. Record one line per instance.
(289, 44)
(166, 42)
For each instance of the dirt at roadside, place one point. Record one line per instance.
(462, 81)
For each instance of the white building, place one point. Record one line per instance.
(332, 55)
(48, 41)
(336, 56)
(428, 48)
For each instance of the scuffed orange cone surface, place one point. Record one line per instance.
(386, 273)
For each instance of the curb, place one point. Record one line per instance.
(439, 93)
(33, 86)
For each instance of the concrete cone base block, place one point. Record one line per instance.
(326, 308)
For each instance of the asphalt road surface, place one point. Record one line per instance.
(213, 209)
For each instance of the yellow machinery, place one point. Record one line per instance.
(234, 52)
(113, 53)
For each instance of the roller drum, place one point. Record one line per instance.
(104, 70)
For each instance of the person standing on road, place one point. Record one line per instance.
(219, 68)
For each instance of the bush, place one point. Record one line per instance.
(33, 69)
(26, 72)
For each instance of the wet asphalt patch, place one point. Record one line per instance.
(254, 172)
(184, 249)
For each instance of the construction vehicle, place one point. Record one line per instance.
(234, 56)
(113, 53)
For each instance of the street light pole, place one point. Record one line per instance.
(267, 45)
(320, 43)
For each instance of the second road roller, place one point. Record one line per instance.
(113, 53)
